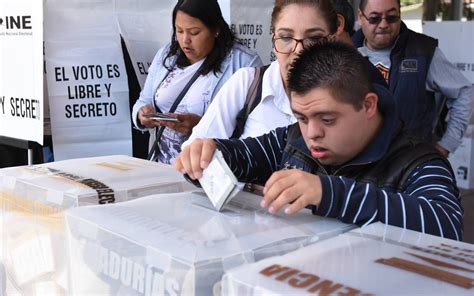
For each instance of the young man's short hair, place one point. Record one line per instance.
(335, 66)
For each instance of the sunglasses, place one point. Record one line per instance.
(375, 20)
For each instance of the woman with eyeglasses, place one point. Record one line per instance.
(296, 24)
(202, 55)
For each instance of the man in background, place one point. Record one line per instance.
(415, 69)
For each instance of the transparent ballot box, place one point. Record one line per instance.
(375, 260)
(33, 200)
(178, 244)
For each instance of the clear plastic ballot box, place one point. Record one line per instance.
(33, 200)
(178, 244)
(376, 260)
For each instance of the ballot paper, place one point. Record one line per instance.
(219, 182)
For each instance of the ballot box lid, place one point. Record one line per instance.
(186, 227)
(97, 180)
(378, 259)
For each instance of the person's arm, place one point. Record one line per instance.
(251, 159)
(239, 57)
(148, 92)
(255, 61)
(242, 57)
(219, 121)
(429, 202)
(445, 78)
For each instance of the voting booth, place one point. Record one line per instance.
(177, 244)
(455, 40)
(375, 260)
(70, 55)
(462, 160)
(33, 200)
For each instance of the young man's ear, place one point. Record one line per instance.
(370, 104)
(341, 22)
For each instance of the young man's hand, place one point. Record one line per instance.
(195, 158)
(294, 187)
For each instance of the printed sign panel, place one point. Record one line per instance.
(145, 26)
(21, 70)
(456, 42)
(225, 8)
(87, 84)
(251, 22)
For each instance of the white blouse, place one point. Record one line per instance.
(273, 111)
(195, 101)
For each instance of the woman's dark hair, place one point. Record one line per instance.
(325, 8)
(209, 13)
(344, 8)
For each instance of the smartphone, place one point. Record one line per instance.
(162, 117)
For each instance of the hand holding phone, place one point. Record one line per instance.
(182, 122)
(162, 117)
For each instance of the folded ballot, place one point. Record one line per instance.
(219, 182)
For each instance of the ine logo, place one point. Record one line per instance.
(22, 22)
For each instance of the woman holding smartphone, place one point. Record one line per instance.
(202, 44)
(296, 24)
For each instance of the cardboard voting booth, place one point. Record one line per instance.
(462, 160)
(455, 40)
(375, 260)
(178, 244)
(33, 199)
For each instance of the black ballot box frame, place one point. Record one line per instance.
(33, 149)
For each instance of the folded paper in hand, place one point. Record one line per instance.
(218, 181)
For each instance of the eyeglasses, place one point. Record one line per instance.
(375, 20)
(287, 45)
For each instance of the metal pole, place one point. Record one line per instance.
(30, 156)
(456, 10)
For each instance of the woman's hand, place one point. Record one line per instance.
(144, 119)
(186, 122)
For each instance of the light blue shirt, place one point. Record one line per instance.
(444, 78)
